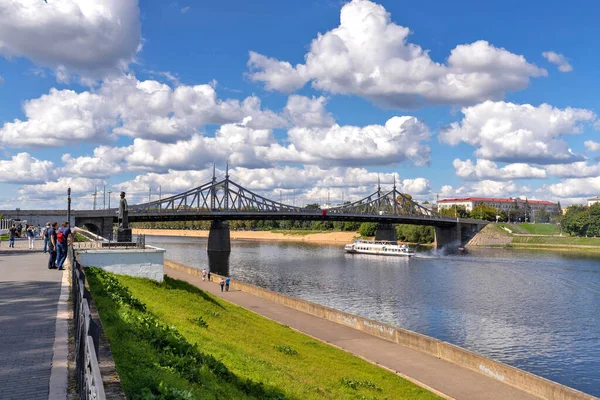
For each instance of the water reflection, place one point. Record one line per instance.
(533, 310)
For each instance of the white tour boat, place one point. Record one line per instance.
(379, 247)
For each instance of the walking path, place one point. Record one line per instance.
(443, 377)
(29, 296)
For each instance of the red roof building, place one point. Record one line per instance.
(503, 204)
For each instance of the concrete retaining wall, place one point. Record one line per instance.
(143, 263)
(525, 381)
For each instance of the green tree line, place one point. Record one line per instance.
(582, 220)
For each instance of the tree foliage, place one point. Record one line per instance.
(582, 220)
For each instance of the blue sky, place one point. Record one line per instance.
(446, 97)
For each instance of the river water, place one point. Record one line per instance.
(538, 311)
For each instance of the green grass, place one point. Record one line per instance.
(556, 240)
(176, 339)
(541, 229)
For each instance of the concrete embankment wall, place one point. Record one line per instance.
(525, 381)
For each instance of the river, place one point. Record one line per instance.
(538, 311)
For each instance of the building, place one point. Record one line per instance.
(593, 201)
(503, 204)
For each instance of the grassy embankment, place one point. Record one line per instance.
(541, 229)
(174, 341)
(522, 237)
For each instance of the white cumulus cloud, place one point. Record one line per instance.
(519, 133)
(23, 168)
(559, 60)
(591, 145)
(370, 56)
(400, 139)
(126, 106)
(579, 169)
(89, 38)
(486, 169)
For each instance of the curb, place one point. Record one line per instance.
(59, 372)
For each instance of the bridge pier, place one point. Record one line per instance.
(452, 237)
(218, 237)
(386, 232)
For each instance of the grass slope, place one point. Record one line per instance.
(182, 343)
(541, 229)
(557, 240)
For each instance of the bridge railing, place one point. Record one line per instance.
(87, 337)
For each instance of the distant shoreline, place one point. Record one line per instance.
(340, 238)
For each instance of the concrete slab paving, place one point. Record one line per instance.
(449, 379)
(29, 295)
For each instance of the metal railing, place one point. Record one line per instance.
(87, 337)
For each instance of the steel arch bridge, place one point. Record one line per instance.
(224, 199)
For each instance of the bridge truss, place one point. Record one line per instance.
(229, 199)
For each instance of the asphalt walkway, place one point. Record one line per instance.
(29, 295)
(446, 378)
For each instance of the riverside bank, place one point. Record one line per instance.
(453, 364)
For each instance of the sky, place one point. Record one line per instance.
(307, 101)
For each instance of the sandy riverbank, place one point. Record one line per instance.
(340, 238)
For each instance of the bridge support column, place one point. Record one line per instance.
(386, 232)
(455, 236)
(218, 237)
(448, 236)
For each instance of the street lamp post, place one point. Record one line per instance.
(69, 205)
(109, 192)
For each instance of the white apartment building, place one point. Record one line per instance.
(593, 200)
(499, 203)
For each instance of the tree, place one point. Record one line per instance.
(313, 206)
(526, 211)
(542, 215)
(574, 220)
(368, 228)
(487, 213)
(455, 211)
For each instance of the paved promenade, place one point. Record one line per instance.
(29, 295)
(449, 380)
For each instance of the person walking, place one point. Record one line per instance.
(222, 283)
(204, 274)
(31, 236)
(64, 237)
(209, 275)
(45, 236)
(52, 244)
(12, 233)
(227, 284)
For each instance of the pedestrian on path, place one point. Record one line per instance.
(222, 283)
(52, 244)
(31, 236)
(227, 284)
(12, 232)
(204, 274)
(209, 276)
(45, 236)
(64, 237)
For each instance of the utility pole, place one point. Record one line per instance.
(109, 192)
(95, 194)
(149, 193)
(159, 193)
(280, 196)
(68, 205)
(104, 196)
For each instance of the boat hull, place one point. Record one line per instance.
(380, 253)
